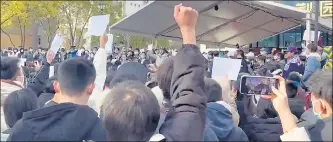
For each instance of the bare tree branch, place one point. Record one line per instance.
(10, 39)
(7, 19)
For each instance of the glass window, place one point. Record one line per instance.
(269, 42)
(288, 39)
(281, 43)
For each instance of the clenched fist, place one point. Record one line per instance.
(103, 40)
(186, 18)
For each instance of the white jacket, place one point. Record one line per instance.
(296, 134)
(98, 95)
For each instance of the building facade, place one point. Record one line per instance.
(295, 36)
(131, 7)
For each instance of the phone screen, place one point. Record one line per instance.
(257, 85)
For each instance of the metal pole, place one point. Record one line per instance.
(316, 22)
(308, 26)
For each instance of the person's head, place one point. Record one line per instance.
(143, 55)
(210, 55)
(11, 69)
(63, 50)
(109, 77)
(15, 50)
(130, 48)
(291, 51)
(31, 49)
(116, 50)
(278, 56)
(164, 75)
(17, 103)
(136, 51)
(75, 80)
(91, 55)
(240, 54)
(261, 60)
(130, 112)
(86, 52)
(39, 50)
(311, 48)
(95, 49)
(21, 50)
(320, 86)
(130, 53)
(213, 90)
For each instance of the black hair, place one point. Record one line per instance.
(320, 84)
(109, 77)
(294, 76)
(164, 75)
(241, 53)
(130, 112)
(48, 88)
(213, 90)
(9, 67)
(281, 56)
(56, 66)
(291, 90)
(74, 75)
(17, 103)
(122, 78)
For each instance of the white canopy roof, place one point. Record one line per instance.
(241, 22)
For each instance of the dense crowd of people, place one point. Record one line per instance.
(154, 95)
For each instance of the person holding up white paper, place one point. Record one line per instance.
(225, 66)
(56, 43)
(97, 25)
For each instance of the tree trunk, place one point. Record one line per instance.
(81, 32)
(24, 36)
(35, 36)
(21, 32)
(10, 39)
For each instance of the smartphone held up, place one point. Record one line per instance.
(257, 85)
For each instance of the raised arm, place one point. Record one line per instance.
(186, 119)
(42, 75)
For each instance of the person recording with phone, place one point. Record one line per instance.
(320, 86)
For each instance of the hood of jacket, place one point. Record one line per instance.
(61, 122)
(219, 125)
(314, 55)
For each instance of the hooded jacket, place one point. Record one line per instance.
(219, 125)
(186, 119)
(59, 122)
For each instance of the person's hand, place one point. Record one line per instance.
(103, 40)
(37, 65)
(186, 18)
(50, 56)
(152, 68)
(279, 97)
(280, 102)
